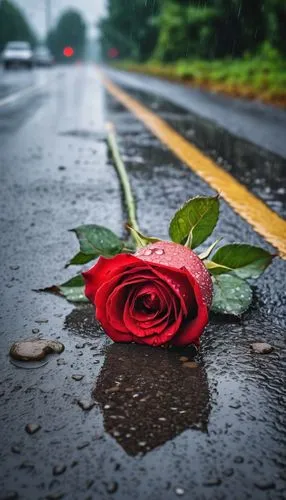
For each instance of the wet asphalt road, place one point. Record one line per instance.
(155, 429)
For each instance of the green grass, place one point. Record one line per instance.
(262, 76)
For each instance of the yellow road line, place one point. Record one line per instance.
(266, 222)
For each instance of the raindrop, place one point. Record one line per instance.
(77, 377)
(32, 428)
(159, 251)
(86, 404)
(59, 469)
(112, 487)
(148, 251)
(180, 492)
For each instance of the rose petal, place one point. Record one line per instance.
(105, 269)
(176, 280)
(165, 337)
(192, 329)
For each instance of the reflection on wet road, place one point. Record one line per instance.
(150, 396)
(209, 430)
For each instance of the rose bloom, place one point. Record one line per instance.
(161, 295)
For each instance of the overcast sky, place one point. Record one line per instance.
(92, 10)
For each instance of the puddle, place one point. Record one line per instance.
(148, 397)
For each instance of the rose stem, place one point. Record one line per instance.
(122, 173)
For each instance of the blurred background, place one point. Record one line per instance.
(237, 46)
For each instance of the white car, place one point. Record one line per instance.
(42, 56)
(17, 54)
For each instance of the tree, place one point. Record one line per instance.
(130, 28)
(13, 25)
(70, 31)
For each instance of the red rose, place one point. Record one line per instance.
(159, 295)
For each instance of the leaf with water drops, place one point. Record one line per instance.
(195, 221)
(97, 240)
(72, 290)
(231, 295)
(245, 261)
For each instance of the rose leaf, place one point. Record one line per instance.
(81, 258)
(98, 240)
(231, 295)
(195, 221)
(245, 261)
(72, 290)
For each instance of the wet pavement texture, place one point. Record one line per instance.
(102, 420)
(252, 121)
(261, 170)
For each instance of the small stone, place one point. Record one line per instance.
(190, 364)
(213, 482)
(59, 469)
(238, 460)
(32, 428)
(35, 349)
(180, 492)
(14, 268)
(35, 330)
(77, 377)
(184, 359)
(264, 485)
(61, 167)
(112, 487)
(39, 321)
(86, 404)
(261, 347)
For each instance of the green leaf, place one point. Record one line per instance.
(72, 290)
(232, 295)
(204, 255)
(141, 239)
(80, 258)
(195, 221)
(245, 261)
(98, 240)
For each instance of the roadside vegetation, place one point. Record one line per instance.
(14, 26)
(232, 46)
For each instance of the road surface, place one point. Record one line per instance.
(214, 432)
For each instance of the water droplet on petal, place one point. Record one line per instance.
(148, 251)
(159, 251)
